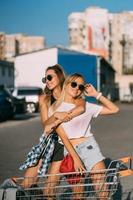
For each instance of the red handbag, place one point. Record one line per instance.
(67, 166)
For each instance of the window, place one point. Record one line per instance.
(9, 71)
(28, 91)
(3, 71)
(127, 46)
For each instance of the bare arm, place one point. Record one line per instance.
(59, 117)
(53, 122)
(43, 108)
(43, 105)
(79, 109)
(78, 165)
(108, 106)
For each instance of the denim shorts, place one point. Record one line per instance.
(89, 153)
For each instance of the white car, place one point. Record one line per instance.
(31, 95)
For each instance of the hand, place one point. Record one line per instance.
(63, 116)
(90, 91)
(48, 129)
(79, 166)
(68, 117)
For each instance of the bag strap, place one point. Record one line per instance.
(87, 128)
(2, 193)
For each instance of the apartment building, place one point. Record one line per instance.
(15, 44)
(6, 73)
(19, 43)
(31, 43)
(121, 51)
(12, 45)
(77, 31)
(2, 45)
(89, 31)
(110, 35)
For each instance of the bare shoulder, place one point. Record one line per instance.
(42, 99)
(80, 101)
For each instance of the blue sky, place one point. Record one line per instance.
(49, 17)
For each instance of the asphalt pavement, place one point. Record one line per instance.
(114, 134)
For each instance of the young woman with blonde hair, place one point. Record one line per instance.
(76, 134)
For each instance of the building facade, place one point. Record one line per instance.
(30, 67)
(121, 51)
(30, 43)
(2, 46)
(110, 35)
(6, 73)
(77, 31)
(15, 44)
(89, 31)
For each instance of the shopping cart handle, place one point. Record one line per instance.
(127, 172)
(126, 166)
(128, 161)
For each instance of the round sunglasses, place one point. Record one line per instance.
(48, 77)
(74, 84)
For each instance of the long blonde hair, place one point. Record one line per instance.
(68, 80)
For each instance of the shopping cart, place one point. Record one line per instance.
(94, 185)
(100, 184)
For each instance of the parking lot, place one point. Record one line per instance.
(113, 133)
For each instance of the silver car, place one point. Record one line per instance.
(31, 95)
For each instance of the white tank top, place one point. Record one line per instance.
(79, 126)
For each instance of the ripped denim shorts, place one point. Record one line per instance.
(89, 153)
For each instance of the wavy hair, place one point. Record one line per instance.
(58, 69)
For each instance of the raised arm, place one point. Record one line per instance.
(108, 106)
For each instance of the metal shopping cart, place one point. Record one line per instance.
(94, 185)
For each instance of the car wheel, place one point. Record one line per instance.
(31, 108)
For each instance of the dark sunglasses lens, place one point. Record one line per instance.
(73, 84)
(49, 77)
(81, 87)
(44, 80)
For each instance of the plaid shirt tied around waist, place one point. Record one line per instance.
(44, 150)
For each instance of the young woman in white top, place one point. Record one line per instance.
(54, 79)
(77, 131)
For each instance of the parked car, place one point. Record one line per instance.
(10, 105)
(6, 106)
(30, 94)
(20, 105)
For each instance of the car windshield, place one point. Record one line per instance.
(11, 90)
(28, 92)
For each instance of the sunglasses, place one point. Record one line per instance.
(74, 84)
(48, 77)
